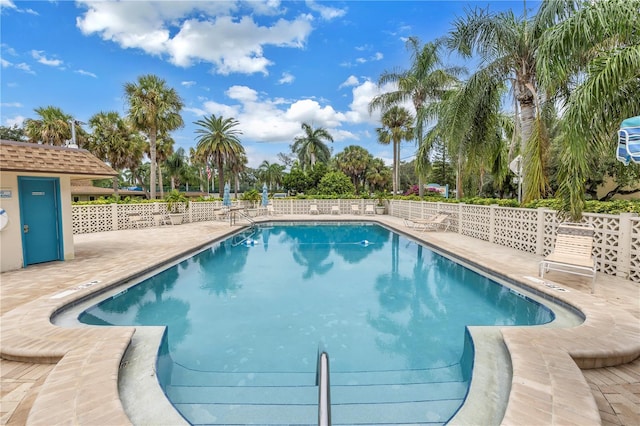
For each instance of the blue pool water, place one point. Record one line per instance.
(245, 321)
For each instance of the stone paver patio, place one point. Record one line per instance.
(54, 375)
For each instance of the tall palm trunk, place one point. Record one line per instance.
(528, 122)
(395, 167)
(220, 164)
(160, 179)
(115, 185)
(459, 190)
(152, 152)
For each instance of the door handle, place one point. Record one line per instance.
(25, 229)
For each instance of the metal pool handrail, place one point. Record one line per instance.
(324, 394)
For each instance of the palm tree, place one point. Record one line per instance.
(507, 46)
(164, 149)
(396, 127)
(113, 140)
(427, 80)
(176, 165)
(353, 162)
(271, 174)
(218, 141)
(237, 165)
(154, 108)
(595, 76)
(310, 147)
(378, 175)
(52, 128)
(470, 125)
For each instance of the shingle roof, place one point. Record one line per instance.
(94, 190)
(30, 157)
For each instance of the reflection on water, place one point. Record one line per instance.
(376, 300)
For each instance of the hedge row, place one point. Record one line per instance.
(606, 207)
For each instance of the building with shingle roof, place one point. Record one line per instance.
(35, 200)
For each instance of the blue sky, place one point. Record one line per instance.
(270, 64)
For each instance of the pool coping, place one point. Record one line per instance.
(605, 338)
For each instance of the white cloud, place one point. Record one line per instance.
(310, 111)
(38, 56)
(218, 109)
(8, 49)
(352, 80)
(8, 4)
(327, 13)
(21, 66)
(25, 67)
(243, 94)
(11, 105)
(87, 73)
(231, 44)
(362, 96)
(377, 57)
(18, 120)
(188, 84)
(199, 112)
(287, 78)
(276, 120)
(4, 4)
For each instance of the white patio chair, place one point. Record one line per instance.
(572, 252)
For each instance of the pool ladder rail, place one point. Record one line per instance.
(324, 393)
(253, 226)
(242, 214)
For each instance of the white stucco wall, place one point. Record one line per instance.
(11, 236)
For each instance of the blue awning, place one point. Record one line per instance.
(629, 141)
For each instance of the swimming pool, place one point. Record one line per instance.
(245, 322)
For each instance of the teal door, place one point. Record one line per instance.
(40, 219)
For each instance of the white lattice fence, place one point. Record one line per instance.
(515, 228)
(476, 221)
(202, 211)
(634, 250)
(616, 240)
(549, 225)
(606, 238)
(94, 218)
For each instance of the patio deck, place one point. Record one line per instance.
(49, 374)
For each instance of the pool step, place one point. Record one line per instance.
(184, 376)
(429, 412)
(355, 404)
(296, 395)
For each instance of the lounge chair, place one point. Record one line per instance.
(433, 223)
(221, 213)
(335, 210)
(368, 209)
(313, 209)
(270, 210)
(572, 252)
(137, 220)
(355, 209)
(159, 218)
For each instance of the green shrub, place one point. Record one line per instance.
(336, 183)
